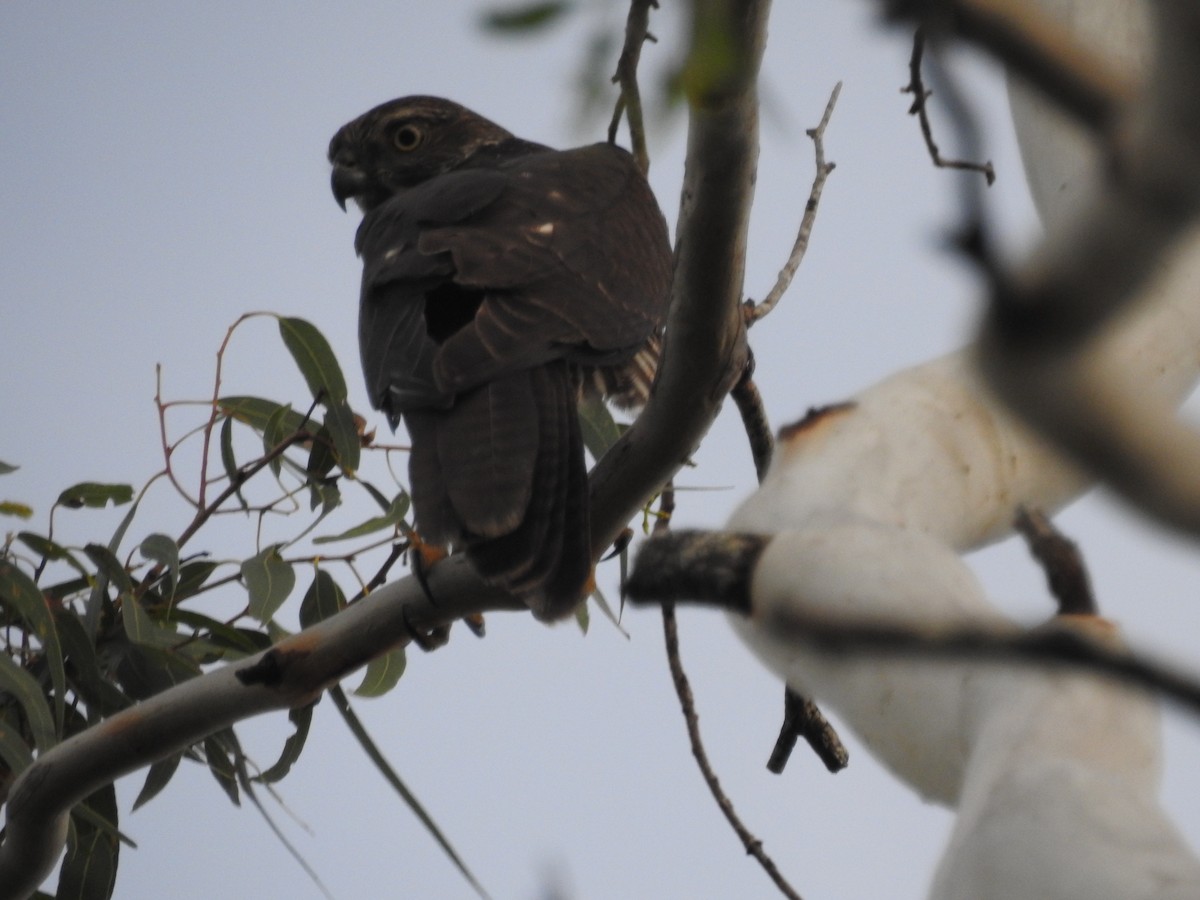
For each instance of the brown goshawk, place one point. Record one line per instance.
(499, 276)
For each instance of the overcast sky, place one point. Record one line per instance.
(165, 171)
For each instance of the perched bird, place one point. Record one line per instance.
(499, 276)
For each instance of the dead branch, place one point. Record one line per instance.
(920, 109)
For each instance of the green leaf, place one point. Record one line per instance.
(5, 468)
(142, 629)
(89, 869)
(383, 673)
(342, 703)
(229, 461)
(339, 419)
(163, 550)
(321, 459)
(192, 576)
(20, 593)
(24, 688)
(301, 717)
(14, 752)
(599, 429)
(239, 641)
(256, 412)
(325, 495)
(314, 357)
(110, 567)
(95, 495)
(95, 604)
(603, 604)
(12, 508)
(48, 549)
(269, 580)
(102, 696)
(323, 599)
(393, 517)
(145, 670)
(275, 433)
(222, 767)
(525, 18)
(157, 778)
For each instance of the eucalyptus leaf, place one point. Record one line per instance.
(269, 580)
(314, 357)
(383, 673)
(19, 592)
(95, 495)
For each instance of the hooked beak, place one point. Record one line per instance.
(347, 182)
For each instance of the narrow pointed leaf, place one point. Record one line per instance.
(91, 615)
(14, 752)
(275, 433)
(12, 508)
(19, 592)
(222, 768)
(385, 769)
(95, 495)
(269, 580)
(339, 419)
(256, 412)
(229, 461)
(102, 696)
(314, 357)
(390, 519)
(383, 673)
(24, 688)
(192, 576)
(89, 869)
(163, 550)
(48, 549)
(301, 717)
(157, 778)
(525, 18)
(141, 628)
(323, 599)
(5, 468)
(109, 566)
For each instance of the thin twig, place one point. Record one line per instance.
(754, 419)
(802, 718)
(916, 87)
(1061, 560)
(800, 247)
(686, 701)
(629, 103)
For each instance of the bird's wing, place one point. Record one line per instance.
(395, 340)
(572, 261)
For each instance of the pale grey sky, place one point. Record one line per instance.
(165, 171)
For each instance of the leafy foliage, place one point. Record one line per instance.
(88, 630)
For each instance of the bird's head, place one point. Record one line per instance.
(403, 142)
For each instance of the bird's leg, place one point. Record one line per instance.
(422, 558)
(427, 640)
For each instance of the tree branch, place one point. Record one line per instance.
(756, 311)
(1031, 44)
(630, 101)
(704, 355)
(290, 674)
(920, 109)
(704, 352)
(661, 573)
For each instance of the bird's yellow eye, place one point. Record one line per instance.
(407, 137)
